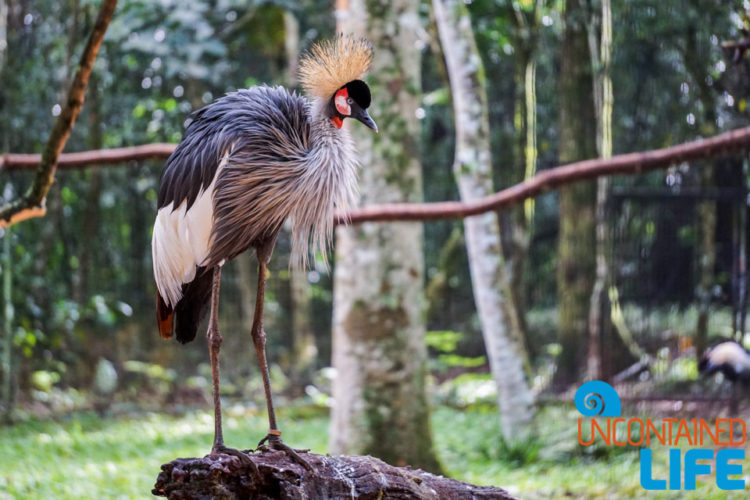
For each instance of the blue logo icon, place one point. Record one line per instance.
(597, 399)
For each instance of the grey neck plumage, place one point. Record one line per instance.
(328, 183)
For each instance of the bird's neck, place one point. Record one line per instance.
(328, 181)
(331, 147)
(322, 114)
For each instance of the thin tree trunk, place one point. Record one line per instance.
(516, 225)
(521, 218)
(707, 209)
(3, 32)
(706, 263)
(91, 215)
(246, 277)
(576, 267)
(604, 100)
(379, 352)
(304, 350)
(8, 313)
(523, 224)
(741, 284)
(473, 170)
(291, 47)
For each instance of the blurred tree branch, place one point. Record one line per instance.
(20, 161)
(735, 49)
(32, 204)
(547, 180)
(542, 182)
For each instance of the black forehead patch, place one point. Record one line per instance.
(360, 92)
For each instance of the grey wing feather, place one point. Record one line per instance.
(254, 193)
(193, 164)
(264, 134)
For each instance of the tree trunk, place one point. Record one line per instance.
(706, 263)
(604, 101)
(695, 65)
(378, 333)
(91, 216)
(291, 47)
(3, 33)
(8, 313)
(516, 225)
(303, 351)
(576, 266)
(473, 170)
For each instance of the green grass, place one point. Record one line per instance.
(473, 452)
(88, 457)
(84, 456)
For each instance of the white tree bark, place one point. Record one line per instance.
(473, 171)
(378, 333)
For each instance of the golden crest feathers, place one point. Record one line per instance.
(331, 64)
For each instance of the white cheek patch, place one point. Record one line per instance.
(342, 106)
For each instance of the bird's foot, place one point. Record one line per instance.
(273, 438)
(220, 449)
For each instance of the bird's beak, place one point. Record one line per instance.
(362, 115)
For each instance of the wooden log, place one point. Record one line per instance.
(279, 477)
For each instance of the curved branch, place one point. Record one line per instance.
(546, 180)
(736, 49)
(11, 162)
(32, 203)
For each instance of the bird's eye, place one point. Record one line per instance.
(350, 100)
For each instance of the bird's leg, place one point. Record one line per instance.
(214, 344)
(259, 340)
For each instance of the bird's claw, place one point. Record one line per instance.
(275, 443)
(220, 449)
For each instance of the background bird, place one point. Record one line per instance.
(729, 358)
(247, 163)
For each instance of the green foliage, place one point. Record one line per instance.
(43, 380)
(444, 341)
(445, 344)
(521, 453)
(140, 377)
(451, 360)
(150, 370)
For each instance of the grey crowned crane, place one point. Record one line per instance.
(729, 358)
(247, 162)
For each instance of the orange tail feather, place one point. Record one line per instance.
(164, 315)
